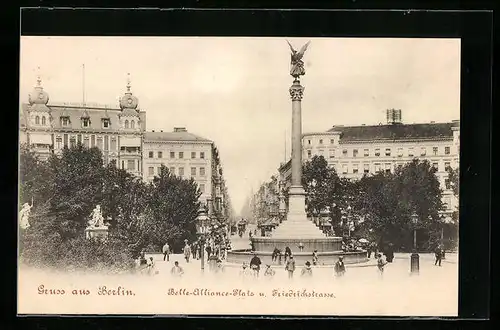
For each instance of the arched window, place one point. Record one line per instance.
(43, 120)
(132, 124)
(37, 120)
(126, 123)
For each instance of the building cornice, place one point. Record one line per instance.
(396, 140)
(177, 142)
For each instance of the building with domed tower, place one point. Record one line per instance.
(117, 131)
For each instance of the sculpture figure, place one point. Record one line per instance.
(97, 218)
(24, 216)
(297, 65)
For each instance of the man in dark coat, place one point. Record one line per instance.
(389, 253)
(255, 264)
(439, 255)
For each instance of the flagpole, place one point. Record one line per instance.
(83, 83)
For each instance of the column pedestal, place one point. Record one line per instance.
(296, 204)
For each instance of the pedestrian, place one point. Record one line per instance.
(288, 253)
(255, 265)
(301, 247)
(290, 266)
(166, 252)
(209, 250)
(340, 267)
(244, 270)
(177, 270)
(380, 264)
(307, 270)
(274, 256)
(220, 267)
(315, 257)
(269, 273)
(151, 266)
(187, 250)
(370, 250)
(438, 254)
(389, 253)
(194, 249)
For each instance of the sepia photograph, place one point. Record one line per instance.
(239, 176)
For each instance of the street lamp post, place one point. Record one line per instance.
(414, 258)
(201, 227)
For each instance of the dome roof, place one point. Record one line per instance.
(38, 96)
(128, 101)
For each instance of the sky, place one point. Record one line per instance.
(234, 91)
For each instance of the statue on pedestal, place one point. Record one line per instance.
(297, 64)
(97, 218)
(24, 216)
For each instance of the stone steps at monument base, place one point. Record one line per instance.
(297, 229)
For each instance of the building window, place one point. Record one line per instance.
(344, 152)
(366, 168)
(332, 141)
(37, 120)
(79, 138)
(447, 183)
(64, 121)
(320, 141)
(355, 153)
(106, 142)
(72, 141)
(400, 152)
(446, 165)
(309, 154)
(92, 141)
(423, 151)
(172, 154)
(435, 151)
(158, 170)
(446, 150)
(132, 124)
(113, 143)
(435, 166)
(86, 141)
(366, 152)
(126, 123)
(387, 151)
(99, 142)
(123, 164)
(65, 140)
(105, 123)
(151, 154)
(332, 153)
(131, 164)
(377, 167)
(321, 152)
(85, 122)
(193, 171)
(151, 171)
(308, 141)
(410, 152)
(58, 142)
(202, 155)
(181, 171)
(193, 155)
(388, 168)
(344, 169)
(160, 154)
(355, 168)
(202, 188)
(181, 154)
(202, 171)
(43, 120)
(172, 170)
(377, 152)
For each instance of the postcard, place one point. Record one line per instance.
(238, 176)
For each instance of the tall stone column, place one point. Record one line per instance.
(296, 193)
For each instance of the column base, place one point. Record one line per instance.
(296, 204)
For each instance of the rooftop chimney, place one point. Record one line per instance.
(180, 129)
(393, 116)
(153, 131)
(433, 122)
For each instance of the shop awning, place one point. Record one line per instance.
(36, 138)
(130, 142)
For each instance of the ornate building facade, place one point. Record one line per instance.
(48, 128)
(357, 150)
(120, 133)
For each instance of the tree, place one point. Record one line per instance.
(173, 208)
(77, 187)
(454, 180)
(320, 183)
(35, 177)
